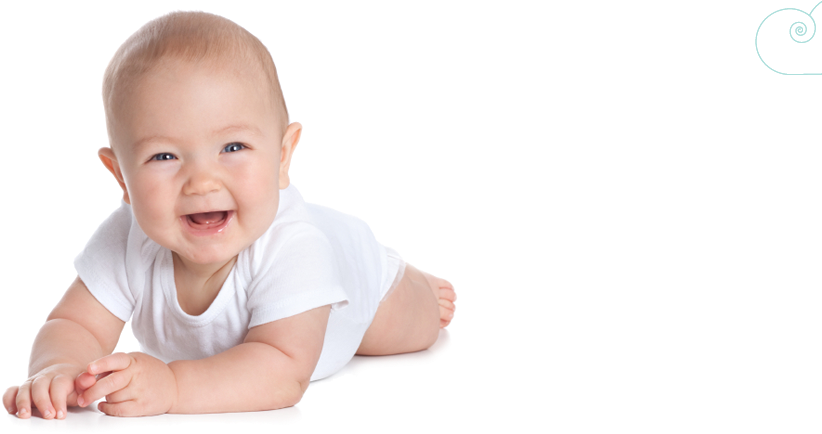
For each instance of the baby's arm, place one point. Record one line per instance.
(271, 369)
(77, 331)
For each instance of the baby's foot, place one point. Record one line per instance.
(446, 296)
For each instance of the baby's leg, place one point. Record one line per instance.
(410, 318)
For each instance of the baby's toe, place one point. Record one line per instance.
(446, 312)
(447, 293)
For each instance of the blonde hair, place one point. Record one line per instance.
(195, 37)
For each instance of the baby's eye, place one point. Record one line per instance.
(163, 156)
(233, 147)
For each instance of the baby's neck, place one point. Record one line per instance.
(198, 284)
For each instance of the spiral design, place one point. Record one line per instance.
(799, 32)
(795, 54)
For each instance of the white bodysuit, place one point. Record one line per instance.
(311, 256)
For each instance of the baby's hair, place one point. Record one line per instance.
(194, 37)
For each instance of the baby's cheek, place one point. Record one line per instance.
(259, 185)
(155, 219)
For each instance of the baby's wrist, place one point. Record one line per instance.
(175, 395)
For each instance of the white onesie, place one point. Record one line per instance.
(311, 256)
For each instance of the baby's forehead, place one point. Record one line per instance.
(187, 101)
(226, 67)
(174, 74)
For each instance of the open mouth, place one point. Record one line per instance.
(208, 222)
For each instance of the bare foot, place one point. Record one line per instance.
(444, 291)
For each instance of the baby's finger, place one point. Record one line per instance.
(112, 362)
(105, 386)
(9, 399)
(83, 382)
(40, 396)
(23, 400)
(61, 387)
(127, 408)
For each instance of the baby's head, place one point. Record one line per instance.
(199, 134)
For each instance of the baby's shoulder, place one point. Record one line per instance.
(316, 235)
(119, 236)
(284, 237)
(336, 225)
(118, 223)
(109, 243)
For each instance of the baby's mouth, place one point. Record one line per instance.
(207, 220)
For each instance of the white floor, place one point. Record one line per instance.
(91, 420)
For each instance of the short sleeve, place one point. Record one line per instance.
(293, 275)
(102, 264)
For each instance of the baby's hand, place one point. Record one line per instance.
(136, 385)
(86, 380)
(51, 390)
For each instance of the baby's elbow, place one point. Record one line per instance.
(286, 381)
(297, 397)
(288, 395)
(285, 387)
(299, 390)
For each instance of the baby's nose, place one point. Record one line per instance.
(201, 182)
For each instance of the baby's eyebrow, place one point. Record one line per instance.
(240, 128)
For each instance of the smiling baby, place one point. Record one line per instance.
(240, 293)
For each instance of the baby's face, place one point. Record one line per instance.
(200, 157)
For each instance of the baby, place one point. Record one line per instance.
(240, 293)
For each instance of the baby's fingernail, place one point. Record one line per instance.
(92, 368)
(60, 414)
(80, 402)
(48, 414)
(22, 412)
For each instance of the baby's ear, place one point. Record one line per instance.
(110, 161)
(290, 140)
